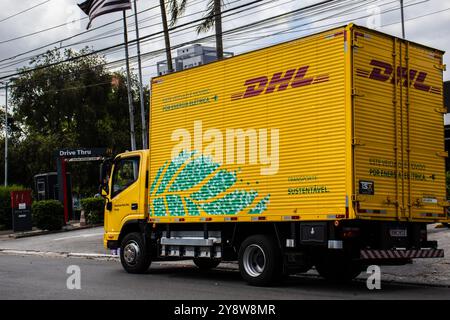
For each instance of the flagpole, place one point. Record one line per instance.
(130, 98)
(141, 88)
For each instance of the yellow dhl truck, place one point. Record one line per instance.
(326, 151)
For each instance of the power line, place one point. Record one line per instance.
(92, 39)
(68, 38)
(23, 11)
(418, 17)
(154, 53)
(311, 12)
(159, 51)
(68, 23)
(145, 38)
(312, 22)
(25, 59)
(290, 30)
(41, 31)
(122, 60)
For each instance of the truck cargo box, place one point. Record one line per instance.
(343, 124)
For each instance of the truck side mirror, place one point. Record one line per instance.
(105, 167)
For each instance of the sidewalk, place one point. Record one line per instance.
(71, 226)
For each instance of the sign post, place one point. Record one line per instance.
(64, 156)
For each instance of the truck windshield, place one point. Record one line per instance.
(126, 172)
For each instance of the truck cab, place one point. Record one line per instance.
(125, 192)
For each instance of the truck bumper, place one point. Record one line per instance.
(108, 238)
(369, 254)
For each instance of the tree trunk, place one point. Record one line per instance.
(166, 36)
(218, 24)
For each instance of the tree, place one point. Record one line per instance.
(162, 6)
(67, 105)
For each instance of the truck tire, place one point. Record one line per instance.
(337, 268)
(134, 256)
(260, 260)
(206, 263)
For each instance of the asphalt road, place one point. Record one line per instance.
(34, 277)
(429, 271)
(44, 277)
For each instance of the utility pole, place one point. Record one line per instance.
(141, 88)
(130, 98)
(403, 19)
(6, 135)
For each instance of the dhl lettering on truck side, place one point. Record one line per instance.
(292, 78)
(384, 71)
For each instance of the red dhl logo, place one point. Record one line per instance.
(383, 71)
(292, 78)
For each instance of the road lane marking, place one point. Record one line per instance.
(80, 236)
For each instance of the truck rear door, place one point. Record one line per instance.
(399, 158)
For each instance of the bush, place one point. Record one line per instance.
(48, 214)
(94, 209)
(5, 206)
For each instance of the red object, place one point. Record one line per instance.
(66, 208)
(21, 197)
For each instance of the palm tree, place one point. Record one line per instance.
(212, 18)
(176, 8)
(166, 33)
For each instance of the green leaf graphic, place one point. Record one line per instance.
(205, 185)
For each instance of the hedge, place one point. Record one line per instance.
(48, 214)
(94, 209)
(5, 206)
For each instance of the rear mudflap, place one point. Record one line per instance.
(373, 254)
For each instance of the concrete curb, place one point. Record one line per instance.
(45, 232)
(99, 256)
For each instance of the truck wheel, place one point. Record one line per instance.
(206, 263)
(260, 260)
(338, 268)
(134, 256)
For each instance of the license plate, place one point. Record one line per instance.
(398, 233)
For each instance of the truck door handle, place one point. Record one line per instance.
(134, 206)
